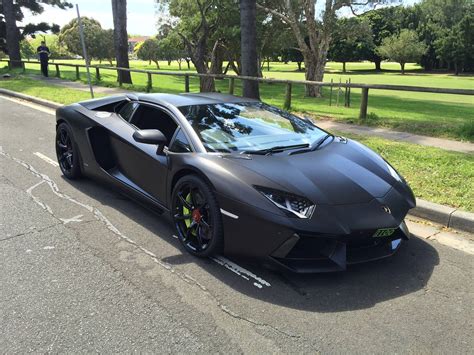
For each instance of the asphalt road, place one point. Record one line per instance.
(84, 269)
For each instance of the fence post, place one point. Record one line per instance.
(349, 95)
(287, 104)
(77, 73)
(58, 74)
(330, 94)
(119, 77)
(363, 103)
(23, 66)
(9, 65)
(186, 83)
(97, 73)
(149, 83)
(231, 86)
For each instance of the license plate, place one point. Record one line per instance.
(384, 232)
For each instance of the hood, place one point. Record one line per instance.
(342, 172)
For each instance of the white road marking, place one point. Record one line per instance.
(49, 111)
(46, 159)
(237, 269)
(72, 219)
(241, 271)
(43, 205)
(48, 247)
(227, 213)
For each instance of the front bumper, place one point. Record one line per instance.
(319, 253)
(306, 246)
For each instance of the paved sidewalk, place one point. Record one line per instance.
(446, 144)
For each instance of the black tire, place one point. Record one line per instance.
(190, 223)
(67, 152)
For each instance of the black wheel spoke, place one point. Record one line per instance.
(181, 216)
(199, 238)
(184, 202)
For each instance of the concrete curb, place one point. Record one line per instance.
(447, 216)
(444, 215)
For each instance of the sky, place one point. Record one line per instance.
(141, 14)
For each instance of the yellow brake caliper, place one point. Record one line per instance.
(186, 211)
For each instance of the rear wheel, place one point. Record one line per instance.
(67, 152)
(197, 217)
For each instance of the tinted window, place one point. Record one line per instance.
(230, 127)
(180, 143)
(148, 117)
(127, 111)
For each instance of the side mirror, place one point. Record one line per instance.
(150, 136)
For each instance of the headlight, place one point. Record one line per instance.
(295, 205)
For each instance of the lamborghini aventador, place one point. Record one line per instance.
(240, 177)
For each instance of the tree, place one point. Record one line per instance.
(205, 27)
(11, 12)
(402, 48)
(293, 54)
(26, 49)
(383, 23)
(119, 13)
(349, 37)
(149, 50)
(99, 42)
(313, 33)
(248, 31)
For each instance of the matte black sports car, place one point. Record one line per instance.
(240, 177)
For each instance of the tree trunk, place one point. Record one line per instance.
(343, 67)
(188, 62)
(12, 34)
(119, 13)
(378, 66)
(248, 31)
(157, 64)
(456, 68)
(314, 71)
(402, 65)
(299, 66)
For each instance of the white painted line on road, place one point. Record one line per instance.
(241, 271)
(72, 219)
(43, 205)
(49, 111)
(46, 159)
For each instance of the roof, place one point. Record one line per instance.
(180, 100)
(138, 38)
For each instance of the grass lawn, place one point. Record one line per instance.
(429, 114)
(435, 175)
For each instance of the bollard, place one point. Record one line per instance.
(287, 104)
(364, 103)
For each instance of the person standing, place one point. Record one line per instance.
(43, 54)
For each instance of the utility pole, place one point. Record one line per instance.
(84, 51)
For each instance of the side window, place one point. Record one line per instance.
(180, 143)
(127, 111)
(148, 117)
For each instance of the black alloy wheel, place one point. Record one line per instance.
(197, 217)
(67, 153)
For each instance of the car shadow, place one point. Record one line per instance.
(362, 286)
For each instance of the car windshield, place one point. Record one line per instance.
(249, 127)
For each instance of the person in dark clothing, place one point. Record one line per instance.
(43, 54)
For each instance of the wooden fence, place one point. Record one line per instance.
(231, 78)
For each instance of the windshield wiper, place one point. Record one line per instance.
(321, 141)
(315, 145)
(279, 148)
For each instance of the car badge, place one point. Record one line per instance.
(386, 209)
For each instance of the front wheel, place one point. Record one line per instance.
(197, 217)
(67, 152)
